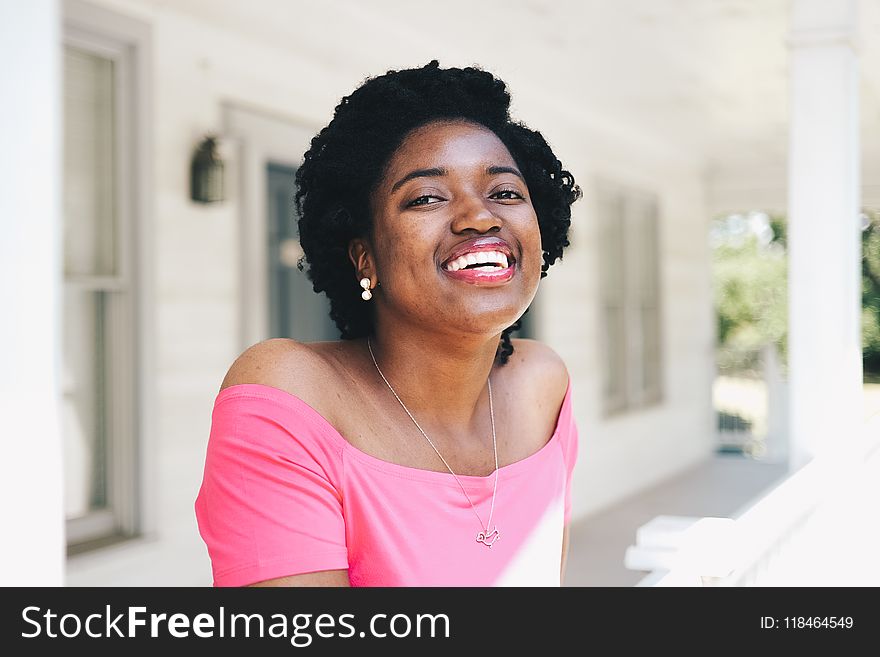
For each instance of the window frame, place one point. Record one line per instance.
(129, 348)
(629, 288)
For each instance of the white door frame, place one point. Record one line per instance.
(257, 137)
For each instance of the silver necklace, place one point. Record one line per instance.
(485, 537)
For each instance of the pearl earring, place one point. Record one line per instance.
(366, 295)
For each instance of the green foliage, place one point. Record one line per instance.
(750, 290)
(750, 285)
(871, 295)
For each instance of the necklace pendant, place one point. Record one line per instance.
(488, 538)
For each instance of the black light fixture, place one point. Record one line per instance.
(206, 172)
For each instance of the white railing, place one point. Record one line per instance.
(819, 526)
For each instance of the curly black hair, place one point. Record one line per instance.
(347, 160)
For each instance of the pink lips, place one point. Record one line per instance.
(477, 277)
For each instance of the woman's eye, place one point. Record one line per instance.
(424, 200)
(507, 194)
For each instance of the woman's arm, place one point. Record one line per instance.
(321, 578)
(288, 515)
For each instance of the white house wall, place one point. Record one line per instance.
(197, 68)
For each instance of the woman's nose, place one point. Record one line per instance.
(472, 212)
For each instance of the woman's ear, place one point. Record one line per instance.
(359, 254)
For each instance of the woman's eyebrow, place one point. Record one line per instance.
(419, 173)
(492, 171)
(440, 171)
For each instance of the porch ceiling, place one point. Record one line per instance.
(710, 76)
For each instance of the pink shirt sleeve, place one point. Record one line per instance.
(569, 430)
(270, 503)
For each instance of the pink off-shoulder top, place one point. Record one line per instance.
(284, 493)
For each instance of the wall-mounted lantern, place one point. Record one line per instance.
(206, 172)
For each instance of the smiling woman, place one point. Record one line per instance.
(426, 447)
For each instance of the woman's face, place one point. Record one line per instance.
(447, 184)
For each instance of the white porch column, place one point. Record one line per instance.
(31, 506)
(825, 367)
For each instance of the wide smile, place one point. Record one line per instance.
(485, 261)
(487, 275)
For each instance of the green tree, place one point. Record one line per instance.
(871, 294)
(750, 287)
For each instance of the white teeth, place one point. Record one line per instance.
(480, 257)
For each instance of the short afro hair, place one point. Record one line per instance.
(347, 159)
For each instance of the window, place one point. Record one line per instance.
(630, 298)
(295, 309)
(99, 428)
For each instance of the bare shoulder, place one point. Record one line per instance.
(541, 365)
(280, 363)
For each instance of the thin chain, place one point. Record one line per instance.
(494, 444)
